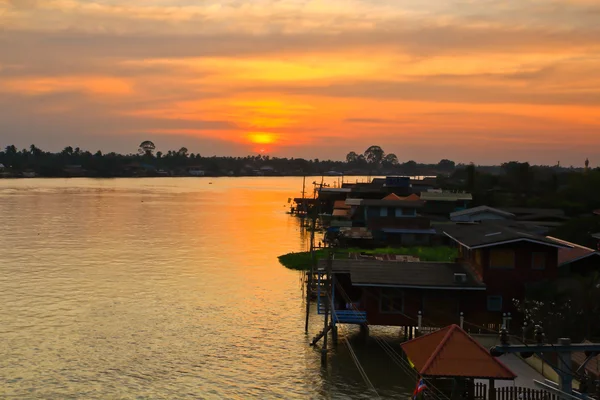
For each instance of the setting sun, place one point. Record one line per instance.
(262, 137)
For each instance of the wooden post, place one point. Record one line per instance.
(492, 390)
(312, 269)
(334, 332)
(462, 320)
(327, 297)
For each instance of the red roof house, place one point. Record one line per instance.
(452, 353)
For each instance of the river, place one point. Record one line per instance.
(165, 288)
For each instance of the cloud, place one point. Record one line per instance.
(455, 73)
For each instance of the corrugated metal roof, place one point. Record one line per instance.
(492, 233)
(446, 196)
(405, 274)
(451, 352)
(480, 209)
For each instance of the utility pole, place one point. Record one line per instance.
(563, 349)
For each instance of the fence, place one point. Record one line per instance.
(513, 393)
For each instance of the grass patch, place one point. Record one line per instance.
(301, 261)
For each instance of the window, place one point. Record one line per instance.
(538, 260)
(502, 258)
(383, 212)
(392, 301)
(494, 303)
(398, 212)
(479, 257)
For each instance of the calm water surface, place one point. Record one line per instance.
(163, 289)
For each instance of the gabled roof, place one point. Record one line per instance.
(492, 233)
(412, 197)
(574, 253)
(392, 196)
(446, 196)
(481, 209)
(451, 352)
(422, 275)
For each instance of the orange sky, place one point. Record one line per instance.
(484, 81)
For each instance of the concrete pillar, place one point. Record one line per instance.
(364, 331)
(565, 379)
(492, 390)
(420, 321)
(462, 320)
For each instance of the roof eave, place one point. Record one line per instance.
(400, 286)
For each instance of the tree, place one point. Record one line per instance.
(446, 165)
(11, 150)
(390, 159)
(146, 148)
(374, 155)
(183, 152)
(34, 150)
(67, 151)
(351, 157)
(471, 177)
(159, 154)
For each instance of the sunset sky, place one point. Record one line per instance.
(471, 80)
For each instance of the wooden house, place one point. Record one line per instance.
(391, 220)
(496, 265)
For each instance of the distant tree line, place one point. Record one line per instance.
(78, 161)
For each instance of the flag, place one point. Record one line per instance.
(421, 386)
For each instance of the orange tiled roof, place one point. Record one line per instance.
(341, 204)
(392, 197)
(395, 197)
(451, 352)
(592, 367)
(412, 197)
(574, 253)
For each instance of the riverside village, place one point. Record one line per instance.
(487, 303)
